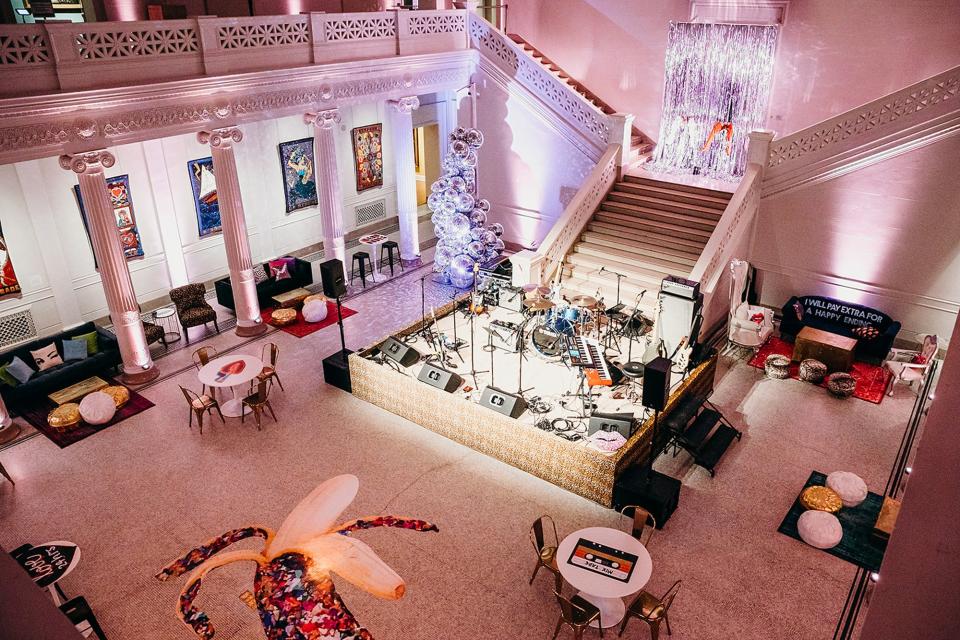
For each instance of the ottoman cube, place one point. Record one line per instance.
(777, 366)
(819, 529)
(812, 371)
(315, 311)
(97, 408)
(849, 486)
(840, 384)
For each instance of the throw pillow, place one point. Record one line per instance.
(919, 359)
(6, 377)
(279, 270)
(866, 332)
(798, 309)
(260, 274)
(75, 349)
(20, 369)
(92, 345)
(46, 357)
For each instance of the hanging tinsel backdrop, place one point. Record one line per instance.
(459, 217)
(716, 88)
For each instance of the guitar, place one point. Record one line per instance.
(681, 355)
(655, 347)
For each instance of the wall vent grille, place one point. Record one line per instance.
(17, 327)
(367, 213)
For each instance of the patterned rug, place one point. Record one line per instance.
(302, 328)
(871, 379)
(36, 413)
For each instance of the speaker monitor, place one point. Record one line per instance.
(336, 370)
(502, 402)
(656, 384)
(331, 273)
(622, 422)
(440, 378)
(399, 352)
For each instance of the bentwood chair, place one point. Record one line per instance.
(269, 355)
(546, 547)
(202, 356)
(651, 610)
(257, 402)
(200, 404)
(644, 524)
(577, 614)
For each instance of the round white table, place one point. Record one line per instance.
(604, 592)
(374, 240)
(235, 371)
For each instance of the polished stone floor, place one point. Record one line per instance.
(140, 493)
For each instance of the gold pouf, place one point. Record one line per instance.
(314, 296)
(65, 416)
(120, 394)
(283, 317)
(821, 499)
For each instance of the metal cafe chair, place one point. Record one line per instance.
(577, 614)
(644, 524)
(269, 355)
(200, 404)
(651, 610)
(546, 548)
(258, 402)
(200, 357)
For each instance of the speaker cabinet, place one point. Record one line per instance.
(656, 384)
(622, 422)
(399, 352)
(331, 273)
(440, 378)
(336, 370)
(678, 319)
(655, 492)
(502, 402)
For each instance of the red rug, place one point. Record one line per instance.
(302, 328)
(871, 379)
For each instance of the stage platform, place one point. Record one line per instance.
(574, 465)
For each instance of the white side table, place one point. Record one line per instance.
(234, 371)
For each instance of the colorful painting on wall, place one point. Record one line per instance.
(368, 156)
(299, 182)
(8, 279)
(119, 190)
(204, 186)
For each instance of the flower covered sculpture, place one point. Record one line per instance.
(293, 584)
(459, 217)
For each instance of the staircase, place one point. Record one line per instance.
(645, 229)
(640, 144)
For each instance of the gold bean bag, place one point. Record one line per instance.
(314, 296)
(283, 317)
(65, 416)
(821, 499)
(120, 394)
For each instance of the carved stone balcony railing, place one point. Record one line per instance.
(47, 58)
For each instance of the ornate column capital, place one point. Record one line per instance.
(405, 105)
(221, 138)
(326, 119)
(88, 162)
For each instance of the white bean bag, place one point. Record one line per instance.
(819, 529)
(315, 311)
(97, 408)
(849, 486)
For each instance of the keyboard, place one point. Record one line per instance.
(587, 354)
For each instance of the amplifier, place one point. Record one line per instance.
(678, 318)
(440, 378)
(511, 298)
(504, 335)
(622, 422)
(502, 402)
(682, 287)
(399, 352)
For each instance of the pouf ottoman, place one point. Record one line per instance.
(840, 384)
(315, 311)
(314, 296)
(97, 408)
(849, 486)
(821, 498)
(64, 417)
(819, 529)
(812, 371)
(283, 317)
(119, 393)
(777, 366)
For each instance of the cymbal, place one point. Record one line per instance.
(533, 287)
(587, 302)
(537, 304)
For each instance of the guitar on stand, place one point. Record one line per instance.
(655, 346)
(681, 355)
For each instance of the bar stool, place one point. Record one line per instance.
(363, 259)
(633, 372)
(390, 246)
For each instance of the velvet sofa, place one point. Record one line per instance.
(874, 330)
(301, 275)
(63, 375)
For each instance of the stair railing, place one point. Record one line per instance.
(575, 217)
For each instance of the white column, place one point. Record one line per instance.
(401, 133)
(156, 164)
(330, 202)
(234, 223)
(138, 367)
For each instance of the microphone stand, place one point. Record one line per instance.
(521, 349)
(630, 328)
(472, 308)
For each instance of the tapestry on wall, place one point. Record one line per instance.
(368, 156)
(299, 182)
(119, 190)
(8, 279)
(204, 187)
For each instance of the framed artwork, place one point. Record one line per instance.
(204, 186)
(299, 181)
(8, 279)
(368, 156)
(119, 190)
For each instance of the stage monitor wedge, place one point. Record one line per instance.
(622, 422)
(439, 378)
(399, 352)
(502, 402)
(331, 274)
(656, 384)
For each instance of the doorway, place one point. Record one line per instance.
(426, 158)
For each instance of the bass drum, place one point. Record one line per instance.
(546, 342)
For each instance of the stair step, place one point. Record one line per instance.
(655, 219)
(702, 425)
(572, 285)
(680, 255)
(672, 195)
(633, 257)
(676, 186)
(694, 244)
(638, 203)
(592, 263)
(713, 449)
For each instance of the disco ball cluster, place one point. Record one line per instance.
(459, 217)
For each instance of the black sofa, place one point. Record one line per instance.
(301, 275)
(62, 375)
(845, 319)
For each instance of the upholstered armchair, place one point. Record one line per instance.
(192, 308)
(153, 332)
